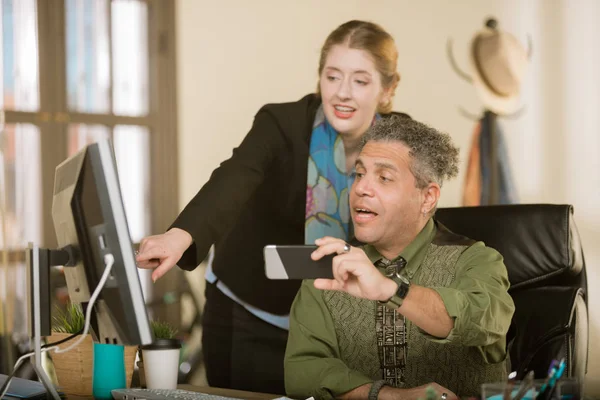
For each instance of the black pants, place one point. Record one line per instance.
(240, 350)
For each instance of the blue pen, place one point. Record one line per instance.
(556, 377)
(553, 365)
(551, 372)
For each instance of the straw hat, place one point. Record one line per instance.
(498, 64)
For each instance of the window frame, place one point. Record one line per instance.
(54, 117)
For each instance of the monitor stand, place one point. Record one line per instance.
(33, 265)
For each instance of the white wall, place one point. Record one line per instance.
(234, 56)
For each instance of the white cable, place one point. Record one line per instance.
(18, 364)
(109, 261)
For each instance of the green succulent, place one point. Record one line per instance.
(70, 320)
(163, 330)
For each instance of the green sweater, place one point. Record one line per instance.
(332, 342)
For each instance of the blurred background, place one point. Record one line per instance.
(176, 84)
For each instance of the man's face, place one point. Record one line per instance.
(385, 204)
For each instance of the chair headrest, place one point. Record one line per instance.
(539, 242)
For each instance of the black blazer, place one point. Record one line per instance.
(255, 198)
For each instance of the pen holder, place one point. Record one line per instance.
(496, 390)
(108, 370)
(569, 389)
(566, 389)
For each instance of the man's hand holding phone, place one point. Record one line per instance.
(353, 272)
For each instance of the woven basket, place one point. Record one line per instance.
(74, 368)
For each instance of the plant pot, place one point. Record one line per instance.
(161, 363)
(74, 368)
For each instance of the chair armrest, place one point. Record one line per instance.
(551, 323)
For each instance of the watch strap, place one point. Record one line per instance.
(394, 302)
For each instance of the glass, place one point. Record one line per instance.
(130, 57)
(20, 185)
(132, 152)
(20, 215)
(13, 295)
(88, 57)
(20, 86)
(80, 135)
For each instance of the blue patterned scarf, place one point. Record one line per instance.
(327, 208)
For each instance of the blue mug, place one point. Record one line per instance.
(109, 370)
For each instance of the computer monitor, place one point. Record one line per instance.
(88, 215)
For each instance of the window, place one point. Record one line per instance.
(72, 72)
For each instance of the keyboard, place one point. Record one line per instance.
(161, 394)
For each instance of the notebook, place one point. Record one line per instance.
(25, 389)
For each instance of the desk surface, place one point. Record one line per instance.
(239, 394)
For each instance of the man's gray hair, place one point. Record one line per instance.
(434, 156)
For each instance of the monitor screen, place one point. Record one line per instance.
(88, 213)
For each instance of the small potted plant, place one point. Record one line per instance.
(74, 369)
(159, 361)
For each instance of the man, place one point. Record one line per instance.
(417, 307)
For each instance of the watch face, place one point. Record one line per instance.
(403, 279)
(403, 286)
(392, 271)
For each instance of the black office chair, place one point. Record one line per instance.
(546, 269)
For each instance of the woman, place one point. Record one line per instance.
(287, 183)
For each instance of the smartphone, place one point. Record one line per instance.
(294, 262)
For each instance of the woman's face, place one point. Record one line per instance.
(351, 90)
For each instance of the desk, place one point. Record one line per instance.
(239, 394)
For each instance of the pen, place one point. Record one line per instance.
(557, 376)
(551, 372)
(553, 364)
(526, 384)
(508, 389)
(509, 386)
(548, 385)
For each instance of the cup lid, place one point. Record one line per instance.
(162, 344)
